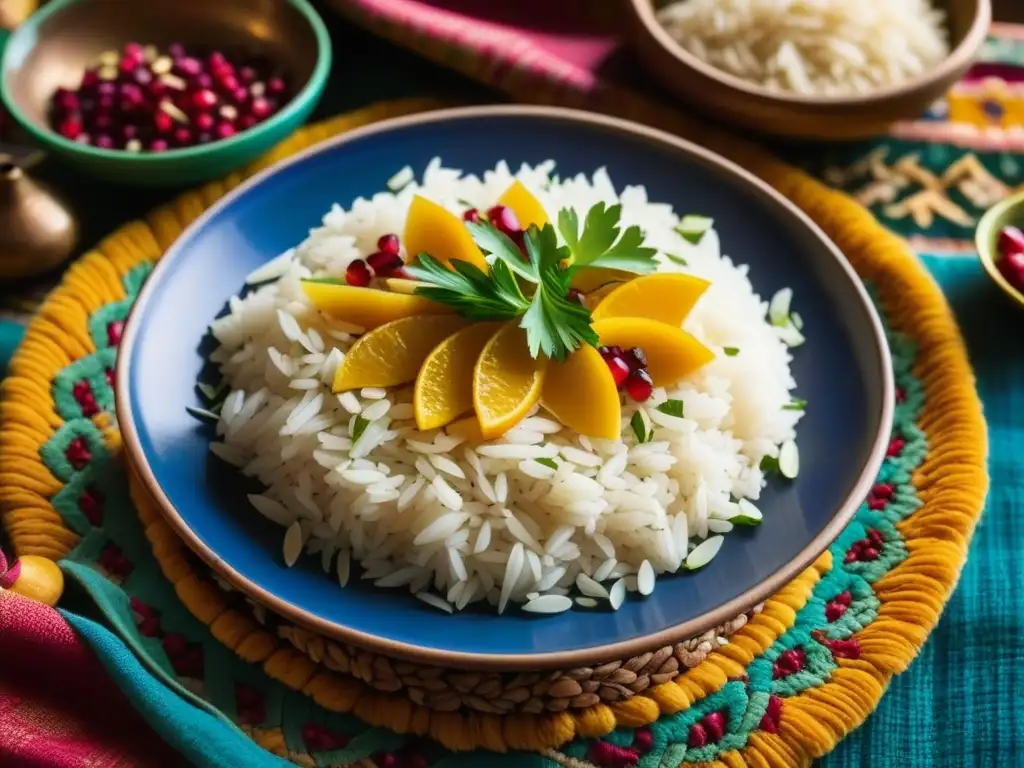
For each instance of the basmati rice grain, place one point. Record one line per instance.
(586, 602)
(376, 411)
(703, 553)
(293, 541)
(512, 570)
(548, 604)
(617, 594)
(719, 526)
(446, 465)
(433, 600)
(441, 528)
(446, 494)
(483, 538)
(350, 402)
(645, 578)
(590, 587)
(373, 393)
(605, 569)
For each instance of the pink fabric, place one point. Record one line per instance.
(58, 707)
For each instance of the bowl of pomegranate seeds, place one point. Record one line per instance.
(164, 93)
(1000, 242)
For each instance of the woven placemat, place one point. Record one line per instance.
(784, 687)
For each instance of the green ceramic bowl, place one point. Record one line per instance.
(52, 48)
(986, 237)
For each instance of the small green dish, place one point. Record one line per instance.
(52, 48)
(986, 238)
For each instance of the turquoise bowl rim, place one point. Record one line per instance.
(309, 94)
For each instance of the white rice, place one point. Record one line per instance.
(821, 47)
(459, 524)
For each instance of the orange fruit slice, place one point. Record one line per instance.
(594, 278)
(467, 428)
(368, 307)
(431, 228)
(526, 207)
(444, 385)
(581, 394)
(393, 353)
(666, 297)
(506, 381)
(672, 353)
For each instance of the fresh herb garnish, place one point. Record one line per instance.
(731, 351)
(325, 280)
(547, 462)
(677, 259)
(468, 290)
(672, 408)
(358, 427)
(599, 245)
(798, 404)
(692, 227)
(203, 413)
(641, 427)
(769, 464)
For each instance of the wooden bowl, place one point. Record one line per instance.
(747, 105)
(55, 45)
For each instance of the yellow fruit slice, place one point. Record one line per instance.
(402, 285)
(526, 207)
(444, 385)
(431, 228)
(581, 394)
(393, 353)
(666, 297)
(368, 307)
(672, 353)
(467, 428)
(592, 279)
(506, 381)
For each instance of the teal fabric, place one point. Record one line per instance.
(10, 336)
(204, 740)
(956, 705)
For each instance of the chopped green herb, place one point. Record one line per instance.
(208, 391)
(749, 514)
(798, 322)
(769, 464)
(798, 404)
(641, 427)
(202, 413)
(325, 280)
(464, 203)
(693, 227)
(359, 427)
(677, 259)
(672, 408)
(731, 351)
(547, 462)
(778, 307)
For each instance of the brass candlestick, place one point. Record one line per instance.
(37, 231)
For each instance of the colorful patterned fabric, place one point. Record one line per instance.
(812, 668)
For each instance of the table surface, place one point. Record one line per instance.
(979, 713)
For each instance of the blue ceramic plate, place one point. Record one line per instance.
(843, 370)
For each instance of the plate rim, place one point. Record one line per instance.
(510, 662)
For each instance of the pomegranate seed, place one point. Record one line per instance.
(1011, 240)
(639, 385)
(388, 244)
(142, 76)
(1011, 266)
(104, 142)
(358, 274)
(504, 218)
(182, 136)
(225, 130)
(577, 296)
(247, 75)
(636, 359)
(228, 83)
(239, 96)
(66, 101)
(204, 99)
(134, 51)
(102, 122)
(384, 264)
(158, 145)
(106, 89)
(127, 65)
(247, 121)
(203, 80)
(90, 79)
(176, 51)
(129, 132)
(216, 60)
(163, 122)
(70, 128)
(471, 215)
(261, 108)
(276, 86)
(619, 370)
(204, 121)
(188, 67)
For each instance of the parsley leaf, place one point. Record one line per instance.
(731, 351)
(472, 293)
(554, 325)
(547, 462)
(600, 244)
(358, 427)
(491, 240)
(672, 408)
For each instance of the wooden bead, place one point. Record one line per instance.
(39, 579)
